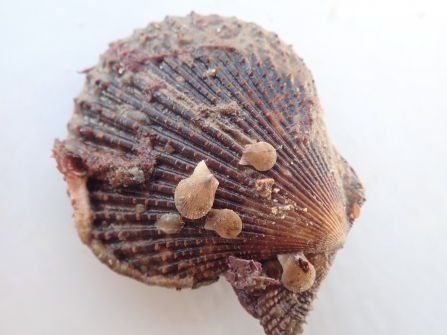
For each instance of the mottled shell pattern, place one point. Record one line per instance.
(198, 149)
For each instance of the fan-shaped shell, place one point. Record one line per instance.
(170, 223)
(298, 273)
(194, 196)
(262, 156)
(225, 222)
(195, 89)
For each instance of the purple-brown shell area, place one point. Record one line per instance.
(204, 88)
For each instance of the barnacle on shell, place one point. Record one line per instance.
(165, 143)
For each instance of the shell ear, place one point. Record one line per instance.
(281, 311)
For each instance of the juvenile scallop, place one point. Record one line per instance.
(298, 273)
(187, 125)
(170, 223)
(225, 222)
(194, 196)
(262, 156)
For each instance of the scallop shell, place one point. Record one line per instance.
(170, 223)
(225, 222)
(194, 196)
(203, 88)
(298, 273)
(262, 156)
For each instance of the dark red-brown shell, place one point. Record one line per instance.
(196, 89)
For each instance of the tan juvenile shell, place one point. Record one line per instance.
(225, 222)
(194, 196)
(298, 273)
(170, 223)
(156, 147)
(262, 156)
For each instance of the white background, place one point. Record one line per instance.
(381, 74)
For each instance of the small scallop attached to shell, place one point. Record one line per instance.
(261, 155)
(224, 222)
(170, 223)
(194, 196)
(198, 149)
(298, 274)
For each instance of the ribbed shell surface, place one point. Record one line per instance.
(196, 89)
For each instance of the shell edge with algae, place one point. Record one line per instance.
(203, 89)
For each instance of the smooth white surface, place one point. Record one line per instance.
(381, 74)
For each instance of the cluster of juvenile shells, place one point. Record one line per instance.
(194, 198)
(198, 149)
